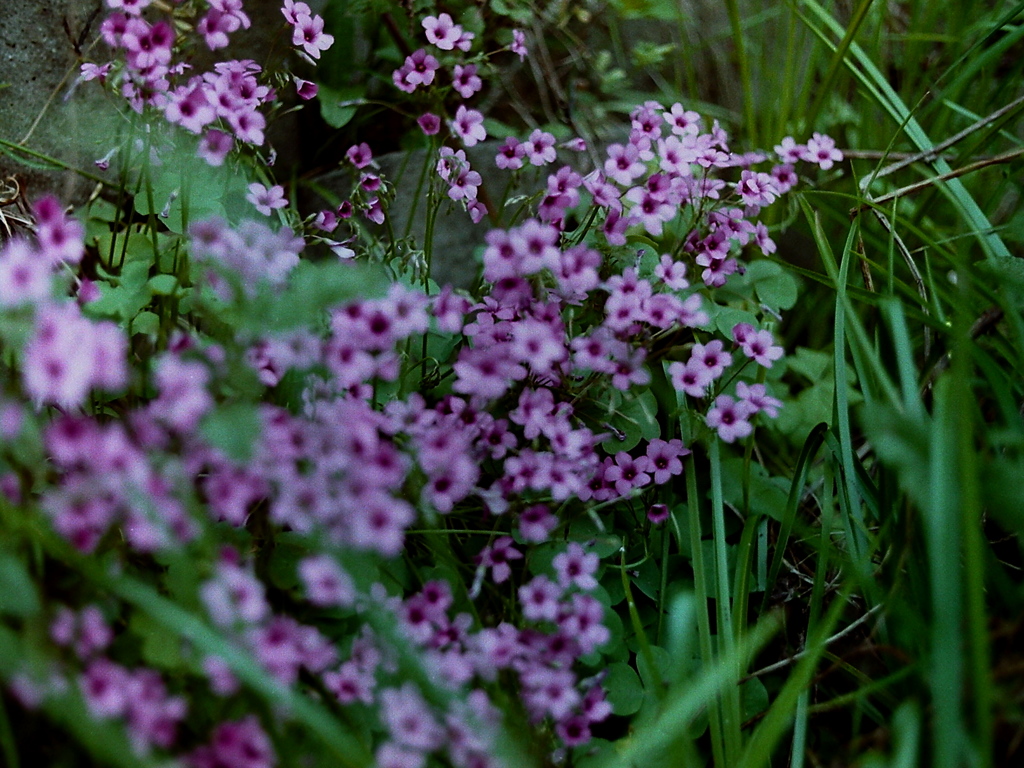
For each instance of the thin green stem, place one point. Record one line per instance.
(14, 149)
(743, 62)
(703, 621)
(731, 714)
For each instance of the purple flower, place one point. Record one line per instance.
(822, 150)
(233, 596)
(756, 189)
(657, 513)
(292, 10)
(518, 45)
(442, 31)
(306, 89)
(536, 523)
(309, 33)
(429, 123)
(359, 155)
(239, 744)
(266, 200)
(326, 583)
(758, 345)
(214, 146)
(69, 355)
(757, 397)
(25, 277)
(576, 566)
(104, 687)
(496, 557)
(581, 621)
(60, 238)
(789, 151)
(418, 69)
(539, 599)
(664, 459)
(510, 154)
(469, 126)
(466, 80)
(730, 418)
(539, 149)
(390, 755)
(409, 720)
(627, 473)
(623, 164)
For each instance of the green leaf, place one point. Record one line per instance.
(773, 285)
(809, 363)
(636, 418)
(127, 297)
(160, 648)
(667, 669)
(313, 289)
(331, 100)
(767, 495)
(18, 596)
(778, 292)
(729, 317)
(623, 688)
(163, 285)
(754, 697)
(147, 323)
(233, 428)
(136, 247)
(604, 545)
(284, 565)
(514, 9)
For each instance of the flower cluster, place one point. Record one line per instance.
(305, 467)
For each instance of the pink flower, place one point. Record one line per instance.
(442, 31)
(518, 45)
(575, 566)
(359, 155)
(309, 34)
(429, 123)
(215, 146)
(822, 150)
(68, 355)
(730, 418)
(469, 126)
(266, 200)
(539, 149)
(466, 80)
(758, 345)
(510, 154)
(292, 10)
(131, 7)
(757, 398)
(418, 69)
(305, 88)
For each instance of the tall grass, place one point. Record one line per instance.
(896, 500)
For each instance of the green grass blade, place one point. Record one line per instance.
(865, 71)
(782, 711)
(686, 701)
(943, 541)
(703, 621)
(810, 449)
(731, 713)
